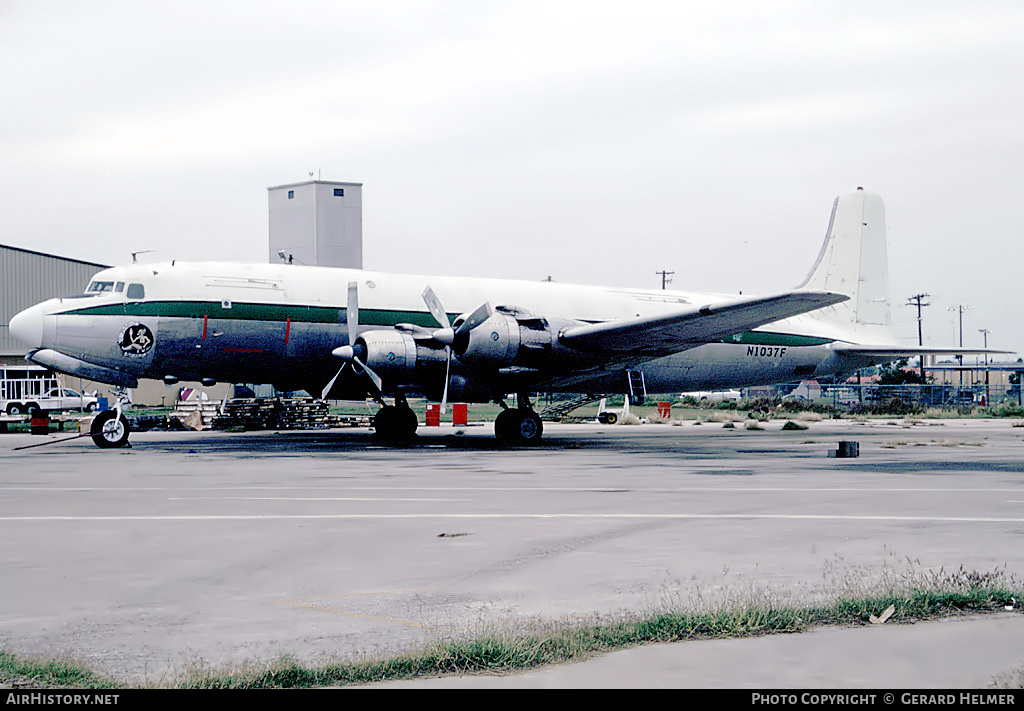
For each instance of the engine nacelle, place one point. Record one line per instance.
(495, 342)
(394, 355)
(512, 337)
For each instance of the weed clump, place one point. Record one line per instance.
(889, 406)
(1005, 409)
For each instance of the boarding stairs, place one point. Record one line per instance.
(555, 411)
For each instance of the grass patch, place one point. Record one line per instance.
(723, 611)
(1011, 680)
(34, 672)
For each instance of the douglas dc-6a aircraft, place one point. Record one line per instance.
(346, 333)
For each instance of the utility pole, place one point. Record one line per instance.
(984, 332)
(960, 358)
(665, 278)
(918, 300)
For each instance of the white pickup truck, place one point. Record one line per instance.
(54, 399)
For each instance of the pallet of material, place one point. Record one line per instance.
(349, 420)
(273, 413)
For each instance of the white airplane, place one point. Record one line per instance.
(348, 333)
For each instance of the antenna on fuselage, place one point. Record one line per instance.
(136, 254)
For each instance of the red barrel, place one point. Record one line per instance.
(433, 415)
(39, 423)
(460, 413)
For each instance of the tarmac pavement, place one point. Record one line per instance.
(220, 548)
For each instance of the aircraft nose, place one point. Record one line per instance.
(27, 326)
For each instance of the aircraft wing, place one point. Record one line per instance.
(656, 336)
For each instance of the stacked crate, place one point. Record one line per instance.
(273, 413)
(301, 414)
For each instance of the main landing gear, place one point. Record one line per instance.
(520, 425)
(395, 423)
(512, 426)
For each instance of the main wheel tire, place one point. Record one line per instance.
(109, 430)
(408, 422)
(518, 426)
(395, 423)
(383, 421)
(15, 408)
(504, 425)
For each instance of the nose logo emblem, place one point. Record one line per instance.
(136, 340)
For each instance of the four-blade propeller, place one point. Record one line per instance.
(355, 352)
(446, 334)
(352, 353)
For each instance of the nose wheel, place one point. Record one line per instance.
(110, 430)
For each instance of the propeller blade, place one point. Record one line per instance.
(366, 369)
(351, 321)
(352, 311)
(330, 385)
(435, 308)
(447, 370)
(482, 313)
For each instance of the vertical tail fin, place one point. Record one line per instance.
(854, 261)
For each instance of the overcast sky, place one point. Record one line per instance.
(595, 142)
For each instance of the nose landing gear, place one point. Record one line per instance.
(110, 430)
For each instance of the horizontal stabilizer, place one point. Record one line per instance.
(894, 352)
(655, 336)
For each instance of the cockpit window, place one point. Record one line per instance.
(136, 291)
(119, 287)
(98, 286)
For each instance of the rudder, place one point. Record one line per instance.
(853, 260)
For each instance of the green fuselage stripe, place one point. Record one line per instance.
(241, 311)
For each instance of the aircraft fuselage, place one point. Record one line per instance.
(252, 323)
